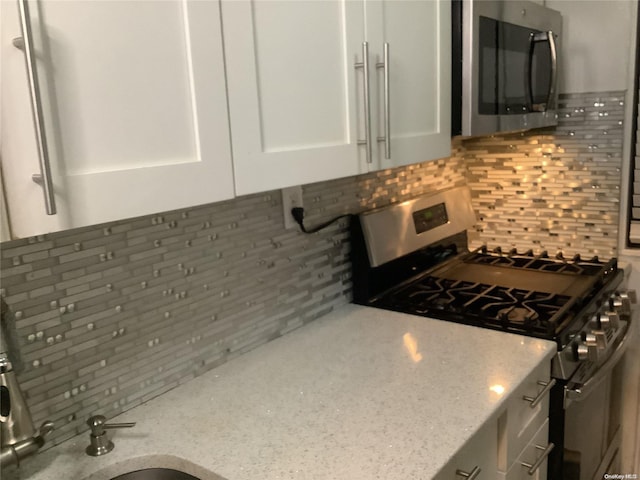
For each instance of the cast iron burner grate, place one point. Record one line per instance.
(504, 308)
(527, 261)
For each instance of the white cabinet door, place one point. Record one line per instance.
(419, 37)
(293, 89)
(135, 110)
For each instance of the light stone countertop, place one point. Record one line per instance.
(361, 393)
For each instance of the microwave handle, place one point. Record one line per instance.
(554, 67)
(543, 37)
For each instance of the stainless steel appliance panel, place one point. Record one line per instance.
(394, 231)
(514, 63)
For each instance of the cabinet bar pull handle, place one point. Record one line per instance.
(367, 104)
(538, 462)
(26, 43)
(387, 119)
(470, 475)
(535, 401)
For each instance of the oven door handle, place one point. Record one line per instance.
(581, 392)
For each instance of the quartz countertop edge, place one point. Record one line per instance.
(359, 393)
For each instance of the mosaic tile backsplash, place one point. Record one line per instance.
(110, 316)
(555, 189)
(113, 315)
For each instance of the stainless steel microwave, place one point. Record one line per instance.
(505, 66)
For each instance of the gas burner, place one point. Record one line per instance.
(518, 315)
(511, 309)
(439, 293)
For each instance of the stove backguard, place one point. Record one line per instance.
(396, 230)
(370, 281)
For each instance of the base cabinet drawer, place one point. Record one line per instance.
(531, 464)
(527, 410)
(512, 445)
(476, 459)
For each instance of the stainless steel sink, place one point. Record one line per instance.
(155, 474)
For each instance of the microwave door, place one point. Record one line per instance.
(515, 78)
(508, 66)
(505, 55)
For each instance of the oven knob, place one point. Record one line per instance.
(601, 339)
(630, 295)
(621, 302)
(586, 352)
(589, 339)
(587, 348)
(609, 320)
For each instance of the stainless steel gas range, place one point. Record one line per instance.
(412, 257)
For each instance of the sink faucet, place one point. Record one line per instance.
(12, 454)
(18, 435)
(100, 443)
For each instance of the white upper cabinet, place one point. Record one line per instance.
(418, 34)
(141, 105)
(298, 103)
(134, 107)
(292, 90)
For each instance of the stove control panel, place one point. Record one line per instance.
(430, 218)
(605, 323)
(599, 346)
(603, 327)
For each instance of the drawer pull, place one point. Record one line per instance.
(538, 462)
(472, 475)
(547, 386)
